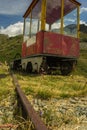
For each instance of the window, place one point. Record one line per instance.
(70, 19)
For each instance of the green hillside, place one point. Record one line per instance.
(83, 37)
(81, 68)
(9, 47)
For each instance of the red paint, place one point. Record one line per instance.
(61, 45)
(31, 50)
(52, 43)
(39, 42)
(24, 49)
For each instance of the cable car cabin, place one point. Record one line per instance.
(51, 36)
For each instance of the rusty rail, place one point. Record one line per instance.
(8, 126)
(27, 107)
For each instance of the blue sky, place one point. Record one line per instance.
(11, 14)
(12, 11)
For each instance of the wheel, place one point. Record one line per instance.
(29, 67)
(66, 68)
(43, 68)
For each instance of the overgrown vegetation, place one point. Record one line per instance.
(83, 37)
(51, 86)
(5, 82)
(9, 47)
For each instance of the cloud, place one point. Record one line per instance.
(17, 28)
(83, 22)
(14, 7)
(70, 20)
(12, 30)
(83, 9)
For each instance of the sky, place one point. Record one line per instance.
(11, 15)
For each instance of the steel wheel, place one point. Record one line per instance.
(29, 67)
(66, 68)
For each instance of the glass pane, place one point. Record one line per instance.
(70, 19)
(27, 26)
(36, 14)
(56, 26)
(34, 24)
(53, 12)
(34, 27)
(53, 15)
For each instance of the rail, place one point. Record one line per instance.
(27, 108)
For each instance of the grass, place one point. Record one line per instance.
(83, 37)
(82, 63)
(9, 47)
(5, 82)
(46, 94)
(44, 87)
(51, 86)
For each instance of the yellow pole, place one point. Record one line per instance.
(78, 20)
(43, 15)
(62, 15)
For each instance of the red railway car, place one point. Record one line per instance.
(51, 36)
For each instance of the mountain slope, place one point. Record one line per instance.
(83, 28)
(9, 47)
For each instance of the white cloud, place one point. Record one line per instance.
(56, 25)
(83, 22)
(70, 20)
(12, 30)
(83, 9)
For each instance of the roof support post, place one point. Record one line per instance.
(78, 20)
(49, 27)
(38, 25)
(43, 15)
(62, 15)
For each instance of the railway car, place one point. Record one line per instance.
(51, 36)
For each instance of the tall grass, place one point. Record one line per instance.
(51, 86)
(6, 85)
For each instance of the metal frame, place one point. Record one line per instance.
(30, 7)
(62, 16)
(43, 14)
(75, 2)
(35, 2)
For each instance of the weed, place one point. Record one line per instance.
(28, 90)
(64, 95)
(44, 94)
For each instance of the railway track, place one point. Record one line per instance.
(27, 111)
(64, 111)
